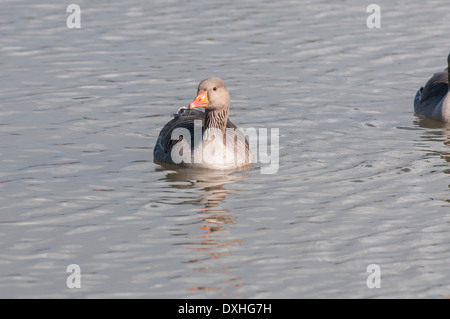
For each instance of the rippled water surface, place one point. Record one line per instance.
(361, 180)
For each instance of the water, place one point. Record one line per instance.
(361, 180)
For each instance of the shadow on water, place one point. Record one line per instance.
(210, 189)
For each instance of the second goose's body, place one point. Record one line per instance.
(433, 100)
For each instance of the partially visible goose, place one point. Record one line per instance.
(215, 142)
(433, 100)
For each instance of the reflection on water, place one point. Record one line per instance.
(436, 131)
(211, 183)
(210, 189)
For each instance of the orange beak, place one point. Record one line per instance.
(200, 101)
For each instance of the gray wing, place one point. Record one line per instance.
(183, 119)
(436, 86)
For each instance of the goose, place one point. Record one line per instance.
(433, 100)
(205, 140)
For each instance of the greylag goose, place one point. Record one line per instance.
(197, 139)
(433, 100)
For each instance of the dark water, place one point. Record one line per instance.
(361, 180)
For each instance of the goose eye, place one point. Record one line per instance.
(214, 88)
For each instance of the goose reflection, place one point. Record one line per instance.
(436, 131)
(209, 189)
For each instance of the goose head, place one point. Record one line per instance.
(212, 94)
